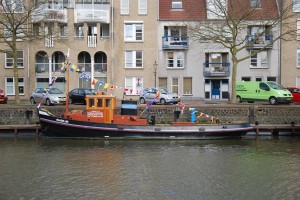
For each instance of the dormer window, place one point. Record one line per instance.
(177, 4)
(255, 3)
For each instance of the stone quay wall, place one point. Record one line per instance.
(227, 113)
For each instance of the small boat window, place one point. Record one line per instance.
(108, 102)
(91, 102)
(99, 103)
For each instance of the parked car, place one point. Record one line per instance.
(295, 92)
(3, 97)
(78, 95)
(50, 96)
(165, 97)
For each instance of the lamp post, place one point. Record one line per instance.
(155, 72)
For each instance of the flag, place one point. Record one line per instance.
(157, 95)
(82, 75)
(94, 81)
(73, 68)
(106, 85)
(100, 83)
(112, 87)
(68, 54)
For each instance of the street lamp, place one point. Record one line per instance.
(155, 72)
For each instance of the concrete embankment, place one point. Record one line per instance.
(204, 112)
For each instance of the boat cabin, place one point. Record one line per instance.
(101, 108)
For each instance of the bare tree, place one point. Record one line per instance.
(227, 24)
(17, 18)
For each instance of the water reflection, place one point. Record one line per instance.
(250, 168)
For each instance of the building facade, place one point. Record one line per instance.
(290, 50)
(121, 46)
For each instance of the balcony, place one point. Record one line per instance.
(92, 13)
(255, 42)
(214, 69)
(50, 12)
(175, 42)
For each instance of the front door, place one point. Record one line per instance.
(215, 89)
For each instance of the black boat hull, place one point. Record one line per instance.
(58, 127)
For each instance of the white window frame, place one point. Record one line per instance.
(177, 4)
(298, 58)
(132, 60)
(175, 62)
(124, 7)
(63, 31)
(173, 85)
(261, 59)
(298, 29)
(133, 85)
(10, 60)
(189, 92)
(143, 7)
(132, 32)
(296, 6)
(19, 33)
(10, 86)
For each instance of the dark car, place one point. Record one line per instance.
(3, 97)
(78, 95)
(296, 93)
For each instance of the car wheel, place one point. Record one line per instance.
(48, 102)
(163, 101)
(32, 100)
(142, 101)
(273, 100)
(239, 99)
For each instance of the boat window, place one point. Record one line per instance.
(107, 102)
(99, 103)
(91, 102)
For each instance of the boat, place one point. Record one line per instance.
(100, 120)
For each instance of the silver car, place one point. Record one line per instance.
(165, 97)
(49, 96)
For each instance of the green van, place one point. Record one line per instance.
(273, 92)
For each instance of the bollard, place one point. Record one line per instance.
(193, 114)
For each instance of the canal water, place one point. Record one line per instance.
(247, 168)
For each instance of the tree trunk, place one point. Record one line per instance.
(233, 79)
(16, 75)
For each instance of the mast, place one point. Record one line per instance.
(67, 112)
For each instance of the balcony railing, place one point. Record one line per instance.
(100, 67)
(92, 41)
(49, 41)
(41, 67)
(216, 69)
(50, 12)
(175, 42)
(92, 12)
(259, 42)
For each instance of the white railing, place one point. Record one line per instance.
(49, 41)
(92, 41)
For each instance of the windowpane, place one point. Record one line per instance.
(176, 4)
(187, 86)
(124, 7)
(298, 58)
(175, 85)
(143, 7)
